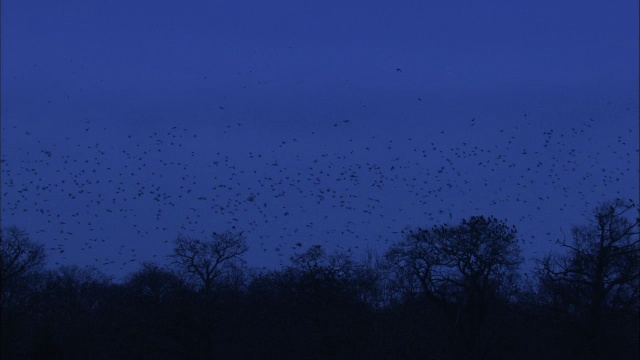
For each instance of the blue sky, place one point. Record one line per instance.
(355, 119)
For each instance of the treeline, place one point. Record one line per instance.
(446, 292)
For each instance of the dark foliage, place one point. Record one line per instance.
(450, 292)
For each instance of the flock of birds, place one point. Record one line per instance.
(98, 196)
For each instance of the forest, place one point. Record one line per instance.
(449, 291)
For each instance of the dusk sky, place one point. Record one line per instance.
(338, 123)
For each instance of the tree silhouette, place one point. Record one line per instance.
(19, 257)
(462, 269)
(156, 304)
(448, 292)
(599, 273)
(208, 260)
(154, 284)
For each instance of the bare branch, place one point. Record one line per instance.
(208, 260)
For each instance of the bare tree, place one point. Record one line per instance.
(600, 270)
(207, 260)
(459, 268)
(316, 261)
(468, 259)
(19, 257)
(154, 283)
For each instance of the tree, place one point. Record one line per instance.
(155, 307)
(462, 269)
(315, 305)
(599, 273)
(316, 262)
(209, 260)
(19, 257)
(154, 284)
(65, 306)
